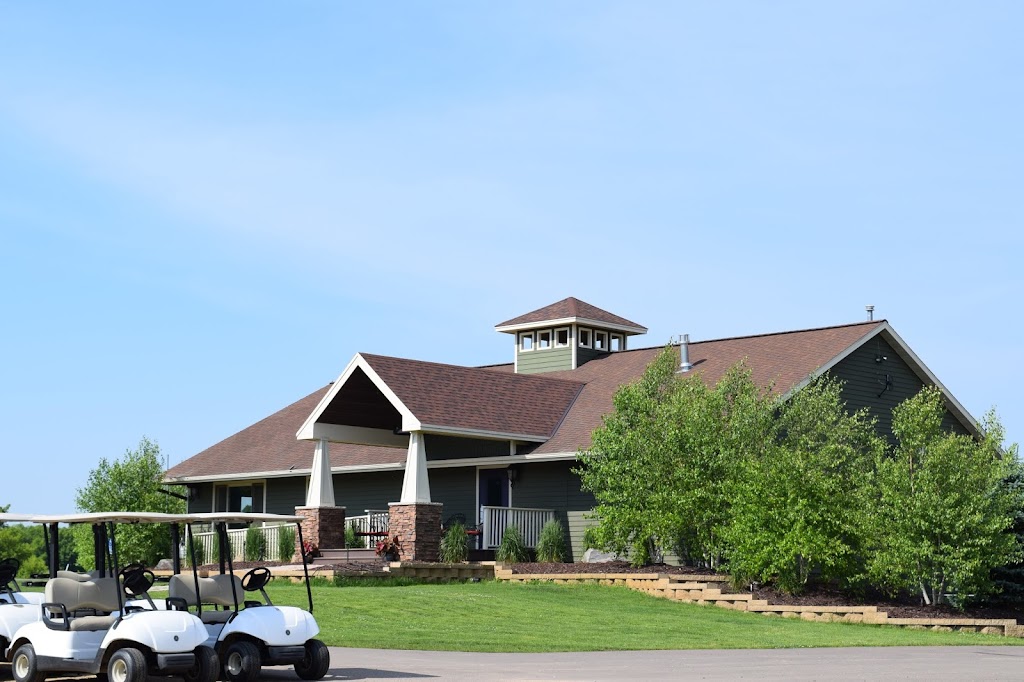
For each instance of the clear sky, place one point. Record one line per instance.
(207, 208)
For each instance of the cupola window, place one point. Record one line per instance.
(615, 343)
(544, 339)
(584, 338)
(526, 341)
(561, 337)
(600, 340)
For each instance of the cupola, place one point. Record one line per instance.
(565, 335)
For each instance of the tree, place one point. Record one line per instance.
(944, 504)
(131, 483)
(801, 507)
(24, 543)
(663, 464)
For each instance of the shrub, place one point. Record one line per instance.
(255, 544)
(454, 548)
(551, 545)
(285, 543)
(512, 549)
(352, 541)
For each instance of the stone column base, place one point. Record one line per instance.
(418, 529)
(323, 527)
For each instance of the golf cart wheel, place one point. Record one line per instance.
(24, 667)
(127, 665)
(315, 663)
(241, 662)
(207, 666)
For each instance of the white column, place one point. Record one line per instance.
(321, 483)
(415, 486)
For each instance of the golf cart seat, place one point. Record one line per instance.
(98, 596)
(215, 590)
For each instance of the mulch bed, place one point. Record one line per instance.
(818, 595)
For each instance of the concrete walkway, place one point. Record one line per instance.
(890, 663)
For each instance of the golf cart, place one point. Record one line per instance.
(248, 630)
(86, 626)
(17, 608)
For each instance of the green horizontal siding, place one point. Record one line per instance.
(547, 360)
(362, 491)
(864, 381)
(553, 485)
(584, 355)
(285, 494)
(204, 498)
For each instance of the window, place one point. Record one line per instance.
(544, 339)
(561, 337)
(584, 338)
(242, 497)
(600, 340)
(526, 341)
(616, 343)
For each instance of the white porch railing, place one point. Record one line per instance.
(366, 525)
(206, 544)
(494, 521)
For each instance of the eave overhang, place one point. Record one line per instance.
(629, 330)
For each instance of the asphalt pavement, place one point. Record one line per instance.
(887, 663)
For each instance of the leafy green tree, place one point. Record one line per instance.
(24, 543)
(663, 465)
(801, 507)
(131, 483)
(944, 505)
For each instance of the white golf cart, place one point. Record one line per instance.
(17, 608)
(249, 633)
(86, 626)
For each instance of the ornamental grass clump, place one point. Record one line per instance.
(512, 549)
(352, 541)
(551, 545)
(285, 543)
(454, 548)
(255, 544)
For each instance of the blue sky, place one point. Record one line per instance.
(207, 208)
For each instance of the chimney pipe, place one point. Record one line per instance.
(871, 312)
(684, 353)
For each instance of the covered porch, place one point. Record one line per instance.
(402, 404)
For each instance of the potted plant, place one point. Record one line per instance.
(389, 548)
(310, 551)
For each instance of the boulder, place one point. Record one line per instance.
(593, 556)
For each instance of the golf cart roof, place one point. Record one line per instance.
(99, 517)
(243, 517)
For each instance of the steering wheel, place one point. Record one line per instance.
(256, 579)
(8, 570)
(137, 579)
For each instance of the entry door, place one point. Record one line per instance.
(493, 487)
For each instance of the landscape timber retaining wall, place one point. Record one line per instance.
(710, 589)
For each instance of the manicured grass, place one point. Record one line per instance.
(490, 616)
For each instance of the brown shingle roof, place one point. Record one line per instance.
(469, 398)
(495, 399)
(270, 445)
(570, 308)
(785, 358)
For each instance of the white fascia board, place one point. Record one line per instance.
(885, 330)
(409, 421)
(389, 466)
(479, 433)
(562, 321)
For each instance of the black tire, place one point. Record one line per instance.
(315, 663)
(241, 662)
(207, 666)
(24, 667)
(127, 665)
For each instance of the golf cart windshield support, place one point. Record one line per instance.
(305, 566)
(225, 550)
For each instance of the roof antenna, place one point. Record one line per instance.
(871, 312)
(684, 354)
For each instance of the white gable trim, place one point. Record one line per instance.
(409, 420)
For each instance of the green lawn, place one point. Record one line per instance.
(490, 616)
